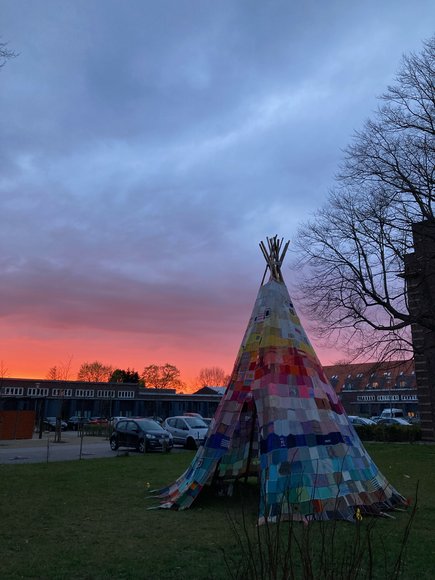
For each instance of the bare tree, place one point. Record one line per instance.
(5, 53)
(53, 373)
(212, 376)
(3, 370)
(352, 252)
(94, 372)
(60, 372)
(65, 369)
(161, 377)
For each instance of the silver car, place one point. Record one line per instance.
(187, 431)
(360, 420)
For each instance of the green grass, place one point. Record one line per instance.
(89, 519)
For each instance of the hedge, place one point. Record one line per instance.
(97, 430)
(389, 432)
(365, 432)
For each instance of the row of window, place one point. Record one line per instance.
(387, 375)
(79, 393)
(376, 385)
(386, 398)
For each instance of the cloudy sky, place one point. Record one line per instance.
(147, 147)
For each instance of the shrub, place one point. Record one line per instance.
(96, 430)
(389, 433)
(289, 550)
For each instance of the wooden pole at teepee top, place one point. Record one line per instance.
(274, 257)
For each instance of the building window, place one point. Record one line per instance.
(409, 398)
(61, 392)
(84, 393)
(37, 392)
(126, 394)
(13, 391)
(107, 394)
(366, 398)
(388, 398)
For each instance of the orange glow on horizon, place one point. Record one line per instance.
(25, 357)
(29, 350)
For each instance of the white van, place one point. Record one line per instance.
(389, 413)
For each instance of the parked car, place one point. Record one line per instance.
(75, 422)
(394, 421)
(375, 418)
(98, 421)
(392, 413)
(141, 434)
(155, 418)
(414, 420)
(113, 421)
(187, 431)
(360, 420)
(50, 424)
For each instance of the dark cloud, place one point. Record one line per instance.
(44, 293)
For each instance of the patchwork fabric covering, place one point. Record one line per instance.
(280, 419)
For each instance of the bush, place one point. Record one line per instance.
(96, 430)
(389, 433)
(289, 550)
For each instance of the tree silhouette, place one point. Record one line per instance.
(352, 252)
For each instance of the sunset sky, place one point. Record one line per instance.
(147, 147)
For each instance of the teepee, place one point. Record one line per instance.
(281, 420)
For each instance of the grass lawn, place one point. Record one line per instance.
(89, 519)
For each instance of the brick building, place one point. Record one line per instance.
(366, 389)
(420, 278)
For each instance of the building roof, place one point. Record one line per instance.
(207, 390)
(363, 375)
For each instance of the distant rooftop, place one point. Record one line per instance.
(380, 375)
(209, 390)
